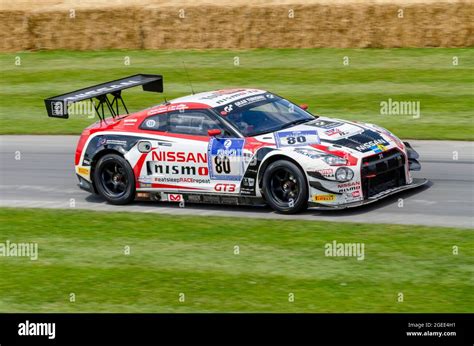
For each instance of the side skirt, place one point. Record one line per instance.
(198, 198)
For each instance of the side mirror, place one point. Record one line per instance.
(214, 132)
(304, 106)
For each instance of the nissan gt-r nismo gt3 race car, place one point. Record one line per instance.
(232, 146)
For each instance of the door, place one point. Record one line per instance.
(192, 161)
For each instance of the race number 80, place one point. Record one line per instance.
(296, 138)
(293, 140)
(222, 164)
(225, 158)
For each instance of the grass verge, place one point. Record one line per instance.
(317, 77)
(83, 252)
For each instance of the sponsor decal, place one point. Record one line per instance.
(246, 191)
(349, 184)
(57, 108)
(194, 180)
(253, 161)
(115, 141)
(372, 144)
(328, 172)
(157, 167)
(178, 156)
(102, 90)
(225, 158)
(168, 108)
(101, 141)
(356, 193)
(185, 163)
(150, 123)
(145, 185)
(242, 102)
(335, 131)
(82, 170)
(129, 121)
(324, 198)
(225, 187)
(181, 180)
(104, 141)
(348, 187)
(175, 197)
(379, 148)
(145, 179)
(390, 135)
(249, 182)
(324, 124)
(249, 100)
(226, 96)
(349, 198)
(296, 138)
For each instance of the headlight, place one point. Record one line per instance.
(314, 154)
(344, 174)
(332, 160)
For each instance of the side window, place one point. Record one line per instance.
(155, 123)
(192, 122)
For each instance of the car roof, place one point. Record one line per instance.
(208, 99)
(218, 98)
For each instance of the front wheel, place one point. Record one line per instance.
(285, 188)
(114, 179)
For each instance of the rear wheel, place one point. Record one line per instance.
(285, 187)
(114, 179)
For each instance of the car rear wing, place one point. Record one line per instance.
(57, 106)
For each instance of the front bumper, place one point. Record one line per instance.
(416, 183)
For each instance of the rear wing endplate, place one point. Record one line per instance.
(57, 106)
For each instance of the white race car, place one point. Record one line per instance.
(233, 146)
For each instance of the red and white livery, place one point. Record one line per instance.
(233, 146)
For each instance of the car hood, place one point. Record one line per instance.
(356, 138)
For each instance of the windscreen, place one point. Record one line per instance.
(259, 114)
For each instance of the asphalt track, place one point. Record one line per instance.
(38, 172)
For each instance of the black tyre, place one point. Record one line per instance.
(114, 179)
(285, 188)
